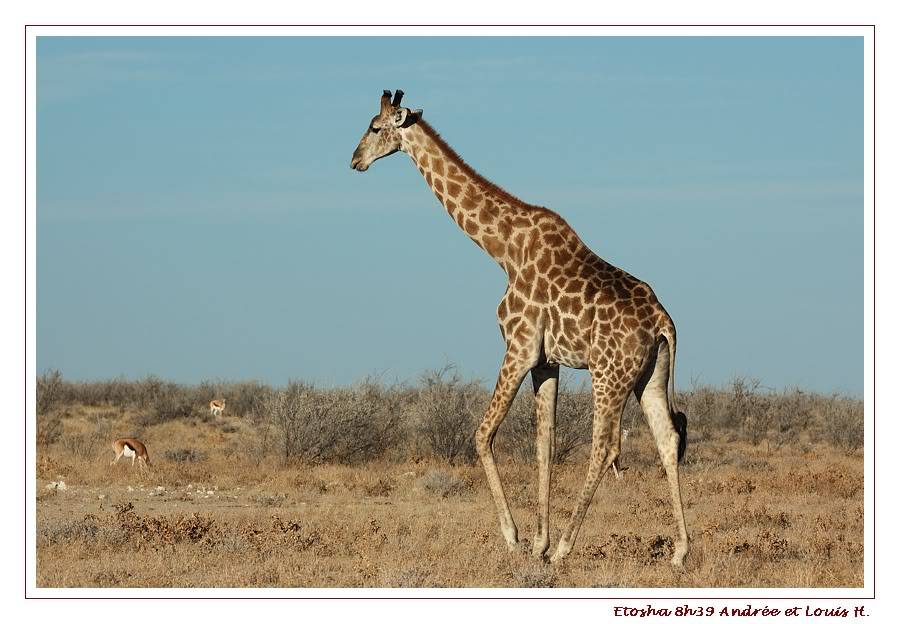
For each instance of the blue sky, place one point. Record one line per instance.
(198, 219)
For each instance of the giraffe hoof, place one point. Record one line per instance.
(511, 537)
(539, 546)
(561, 551)
(678, 558)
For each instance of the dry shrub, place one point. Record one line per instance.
(829, 484)
(701, 405)
(843, 422)
(143, 531)
(150, 394)
(765, 517)
(435, 418)
(534, 575)
(341, 426)
(185, 455)
(740, 411)
(259, 443)
(87, 531)
(443, 483)
(246, 399)
(748, 411)
(115, 392)
(383, 487)
(574, 420)
(269, 499)
(51, 467)
(87, 445)
(167, 401)
(765, 546)
(517, 433)
(49, 396)
(49, 391)
(656, 549)
(148, 391)
(446, 412)
(49, 428)
(791, 416)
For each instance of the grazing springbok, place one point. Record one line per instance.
(133, 448)
(216, 406)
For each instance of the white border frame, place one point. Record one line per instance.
(660, 597)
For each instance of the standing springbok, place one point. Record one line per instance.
(133, 448)
(216, 406)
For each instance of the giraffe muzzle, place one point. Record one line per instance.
(356, 163)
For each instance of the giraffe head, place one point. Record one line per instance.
(385, 131)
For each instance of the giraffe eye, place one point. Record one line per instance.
(374, 129)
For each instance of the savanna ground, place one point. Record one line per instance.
(374, 486)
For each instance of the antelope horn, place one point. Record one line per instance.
(398, 95)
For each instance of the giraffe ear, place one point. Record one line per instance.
(403, 117)
(400, 117)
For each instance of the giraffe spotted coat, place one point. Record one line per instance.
(563, 305)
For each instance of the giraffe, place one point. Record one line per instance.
(563, 305)
(615, 465)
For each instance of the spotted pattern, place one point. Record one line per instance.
(563, 305)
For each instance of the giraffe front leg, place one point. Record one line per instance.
(546, 382)
(510, 378)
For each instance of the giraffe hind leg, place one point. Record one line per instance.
(670, 434)
(546, 382)
(609, 403)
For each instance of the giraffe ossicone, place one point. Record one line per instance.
(563, 305)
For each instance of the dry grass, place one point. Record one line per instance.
(235, 514)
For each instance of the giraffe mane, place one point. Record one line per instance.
(468, 170)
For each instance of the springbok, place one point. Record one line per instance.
(216, 406)
(133, 448)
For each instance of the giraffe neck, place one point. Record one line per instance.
(485, 212)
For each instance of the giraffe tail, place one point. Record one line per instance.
(679, 420)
